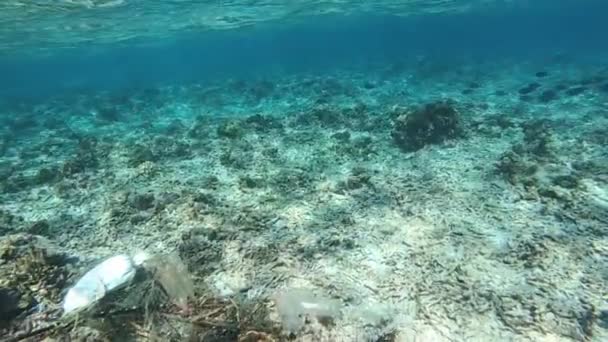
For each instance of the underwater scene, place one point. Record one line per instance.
(340, 170)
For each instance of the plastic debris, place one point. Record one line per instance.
(113, 273)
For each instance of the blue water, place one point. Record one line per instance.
(534, 32)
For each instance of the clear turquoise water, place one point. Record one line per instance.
(406, 171)
(530, 31)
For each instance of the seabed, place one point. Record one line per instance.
(405, 202)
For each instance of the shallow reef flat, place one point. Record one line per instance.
(416, 201)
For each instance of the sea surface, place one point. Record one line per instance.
(414, 170)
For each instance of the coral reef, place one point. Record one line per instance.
(521, 164)
(33, 272)
(432, 124)
(291, 203)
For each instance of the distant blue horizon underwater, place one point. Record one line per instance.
(426, 171)
(533, 32)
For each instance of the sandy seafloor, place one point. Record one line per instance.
(297, 182)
